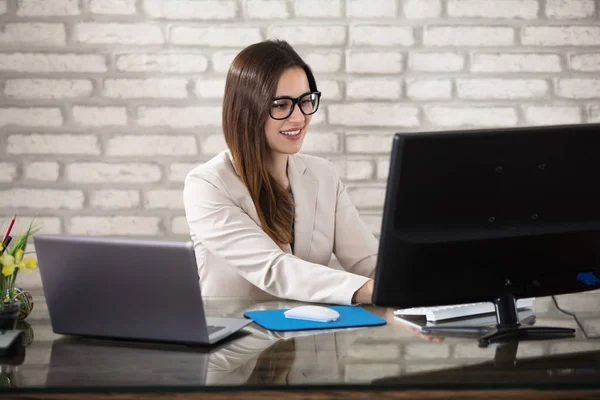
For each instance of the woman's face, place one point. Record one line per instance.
(286, 136)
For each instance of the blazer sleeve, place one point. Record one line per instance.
(228, 232)
(354, 245)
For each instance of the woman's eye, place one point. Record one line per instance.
(275, 105)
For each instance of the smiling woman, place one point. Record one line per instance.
(264, 218)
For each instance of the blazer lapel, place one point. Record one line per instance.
(252, 209)
(304, 187)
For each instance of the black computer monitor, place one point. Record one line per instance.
(491, 215)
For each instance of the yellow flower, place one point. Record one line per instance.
(19, 256)
(27, 265)
(8, 264)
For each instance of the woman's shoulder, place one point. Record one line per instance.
(314, 162)
(317, 166)
(218, 168)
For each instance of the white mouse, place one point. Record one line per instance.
(312, 313)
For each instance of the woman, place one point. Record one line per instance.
(264, 219)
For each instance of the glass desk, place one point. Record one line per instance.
(389, 361)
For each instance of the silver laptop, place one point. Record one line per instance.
(127, 289)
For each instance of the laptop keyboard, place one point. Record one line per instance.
(212, 329)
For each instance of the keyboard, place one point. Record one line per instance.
(440, 313)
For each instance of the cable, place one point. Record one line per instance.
(574, 317)
(579, 324)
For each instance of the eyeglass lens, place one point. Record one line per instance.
(283, 108)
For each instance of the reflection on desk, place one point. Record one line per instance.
(388, 356)
(575, 368)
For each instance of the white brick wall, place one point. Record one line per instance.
(456, 36)
(114, 199)
(322, 61)
(380, 35)
(48, 88)
(553, 115)
(370, 62)
(210, 88)
(578, 88)
(561, 35)
(265, 9)
(33, 34)
(151, 145)
(213, 144)
(10, 172)
(178, 171)
(24, 198)
(421, 9)
(145, 88)
(96, 172)
(179, 117)
(49, 63)
(186, 9)
(321, 142)
(501, 88)
(318, 8)
(570, 9)
(585, 62)
(522, 9)
(118, 33)
(111, 226)
(361, 143)
(451, 117)
(33, 116)
(42, 171)
(371, 9)
(112, 7)
(373, 114)
(429, 89)
(388, 88)
(38, 8)
(169, 199)
(105, 105)
(594, 113)
(214, 36)
(314, 34)
(515, 62)
(162, 63)
(99, 116)
(46, 143)
(436, 62)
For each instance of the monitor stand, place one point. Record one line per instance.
(508, 326)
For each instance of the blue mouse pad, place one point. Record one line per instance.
(350, 316)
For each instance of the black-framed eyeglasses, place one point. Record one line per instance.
(282, 107)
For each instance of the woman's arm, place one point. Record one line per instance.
(228, 232)
(354, 245)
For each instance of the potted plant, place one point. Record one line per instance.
(13, 260)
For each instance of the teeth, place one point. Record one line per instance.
(290, 133)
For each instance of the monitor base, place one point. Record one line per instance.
(503, 333)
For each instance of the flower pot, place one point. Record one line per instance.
(9, 315)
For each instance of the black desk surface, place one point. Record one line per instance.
(392, 360)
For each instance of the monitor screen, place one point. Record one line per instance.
(472, 215)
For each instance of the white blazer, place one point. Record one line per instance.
(236, 257)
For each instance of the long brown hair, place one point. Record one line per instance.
(249, 90)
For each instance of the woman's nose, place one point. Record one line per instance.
(297, 115)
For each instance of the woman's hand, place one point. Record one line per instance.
(364, 294)
(389, 317)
